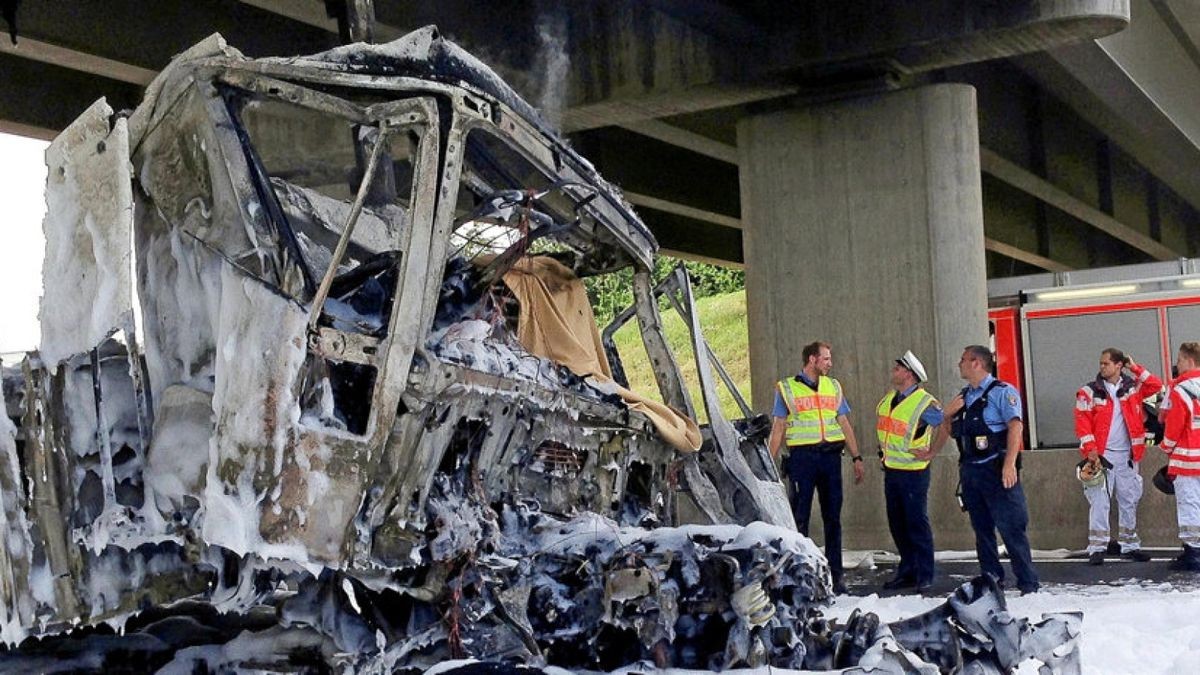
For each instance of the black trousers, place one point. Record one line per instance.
(907, 496)
(819, 472)
(993, 508)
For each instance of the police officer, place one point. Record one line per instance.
(985, 420)
(810, 415)
(908, 420)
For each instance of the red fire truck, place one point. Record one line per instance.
(1048, 331)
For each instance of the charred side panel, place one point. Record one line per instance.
(51, 500)
(16, 545)
(88, 292)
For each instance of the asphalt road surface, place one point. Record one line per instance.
(1072, 571)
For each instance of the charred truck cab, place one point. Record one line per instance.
(313, 350)
(320, 387)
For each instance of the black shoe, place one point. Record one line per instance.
(839, 587)
(898, 582)
(1113, 548)
(1182, 564)
(1137, 555)
(1096, 558)
(1026, 590)
(1188, 561)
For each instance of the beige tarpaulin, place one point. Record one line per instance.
(556, 322)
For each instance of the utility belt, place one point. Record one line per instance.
(822, 448)
(994, 460)
(892, 469)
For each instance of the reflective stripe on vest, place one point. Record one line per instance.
(812, 415)
(896, 428)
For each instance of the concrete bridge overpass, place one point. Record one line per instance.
(869, 162)
(668, 81)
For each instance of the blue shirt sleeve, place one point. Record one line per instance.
(1008, 401)
(844, 408)
(933, 416)
(780, 409)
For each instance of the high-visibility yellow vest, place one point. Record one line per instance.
(812, 415)
(897, 430)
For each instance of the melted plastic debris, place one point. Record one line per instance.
(531, 588)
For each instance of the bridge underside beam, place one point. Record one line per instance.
(41, 96)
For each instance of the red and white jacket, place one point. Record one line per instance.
(1094, 411)
(1181, 428)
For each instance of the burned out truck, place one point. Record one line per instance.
(320, 387)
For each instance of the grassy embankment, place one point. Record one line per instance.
(723, 318)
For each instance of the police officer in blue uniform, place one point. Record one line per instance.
(909, 419)
(811, 417)
(986, 422)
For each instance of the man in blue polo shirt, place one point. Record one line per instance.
(811, 417)
(985, 420)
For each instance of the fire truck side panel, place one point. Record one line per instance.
(1006, 343)
(1065, 319)
(1063, 354)
(1183, 325)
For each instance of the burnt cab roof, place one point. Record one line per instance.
(403, 64)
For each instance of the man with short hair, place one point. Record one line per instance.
(1109, 425)
(810, 415)
(1181, 442)
(986, 421)
(908, 418)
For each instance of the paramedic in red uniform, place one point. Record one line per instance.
(1110, 428)
(1181, 442)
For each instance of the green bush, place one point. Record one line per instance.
(611, 293)
(721, 305)
(723, 319)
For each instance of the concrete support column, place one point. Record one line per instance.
(864, 227)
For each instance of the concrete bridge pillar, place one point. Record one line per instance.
(864, 228)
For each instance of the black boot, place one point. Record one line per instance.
(897, 583)
(1189, 561)
(839, 585)
(1136, 555)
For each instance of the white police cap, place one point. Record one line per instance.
(910, 361)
